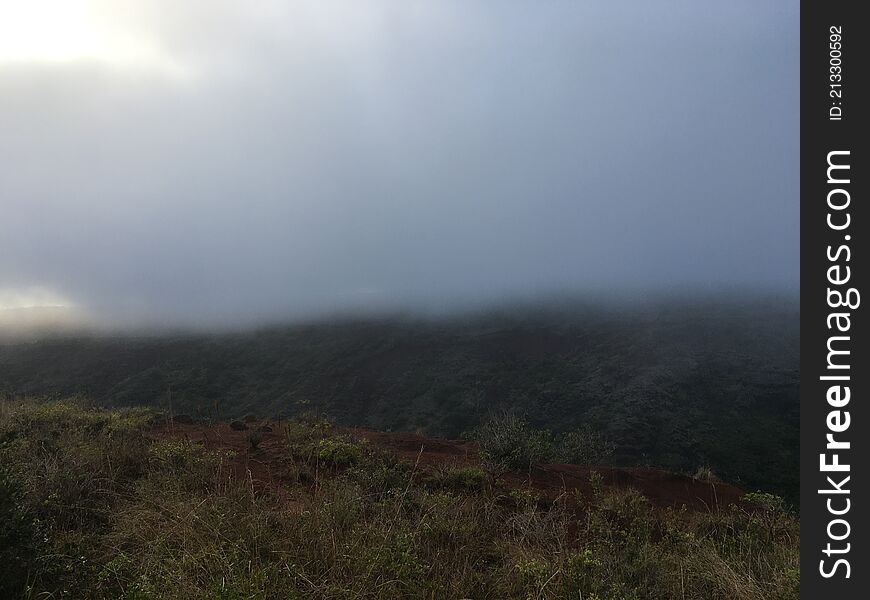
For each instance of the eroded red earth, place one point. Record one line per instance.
(269, 466)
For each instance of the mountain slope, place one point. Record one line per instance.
(676, 386)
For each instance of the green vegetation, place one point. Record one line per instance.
(507, 441)
(93, 507)
(674, 385)
(463, 480)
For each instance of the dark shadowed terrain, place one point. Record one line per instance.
(673, 386)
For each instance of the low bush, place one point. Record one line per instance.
(584, 447)
(507, 440)
(340, 451)
(462, 480)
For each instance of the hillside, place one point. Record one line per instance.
(128, 503)
(673, 385)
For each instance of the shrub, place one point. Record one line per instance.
(379, 477)
(524, 498)
(534, 575)
(254, 439)
(298, 435)
(506, 438)
(462, 480)
(705, 473)
(584, 447)
(770, 510)
(768, 503)
(583, 572)
(339, 451)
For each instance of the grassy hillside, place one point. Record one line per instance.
(676, 385)
(100, 504)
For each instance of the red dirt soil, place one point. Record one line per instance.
(268, 466)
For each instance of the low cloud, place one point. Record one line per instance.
(270, 160)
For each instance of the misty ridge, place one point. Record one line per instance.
(674, 381)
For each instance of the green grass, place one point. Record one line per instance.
(94, 508)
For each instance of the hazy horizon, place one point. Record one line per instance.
(227, 164)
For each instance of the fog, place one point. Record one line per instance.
(212, 163)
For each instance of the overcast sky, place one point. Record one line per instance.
(214, 161)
